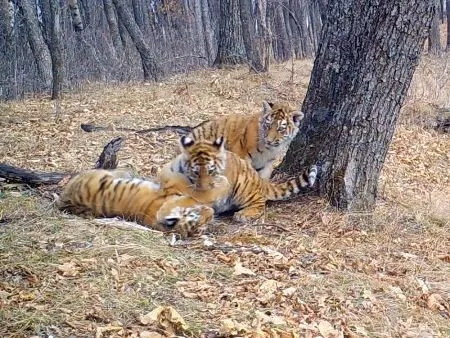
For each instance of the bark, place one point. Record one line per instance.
(231, 50)
(364, 65)
(149, 64)
(77, 22)
(434, 40)
(7, 87)
(36, 40)
(254, 57)
(209, 32)
(447, 5)
(56, 49)
(282, 40)
(113, 25)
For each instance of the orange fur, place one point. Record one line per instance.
(259, 138)
(210, 175)
(102, 193)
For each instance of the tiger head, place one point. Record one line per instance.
(279, 123)
(204, 162)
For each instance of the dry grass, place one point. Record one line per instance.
(61, 275)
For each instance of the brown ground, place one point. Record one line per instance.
(307, 272)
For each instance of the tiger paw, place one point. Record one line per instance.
(188, 221)
(249, 216)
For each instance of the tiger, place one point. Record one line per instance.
(206, 173)
(260, 138)
(110, 193)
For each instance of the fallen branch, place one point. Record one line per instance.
(106, 160)
(89, 128)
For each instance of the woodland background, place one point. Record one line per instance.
(75, 41)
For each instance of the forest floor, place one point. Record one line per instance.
(308, 272)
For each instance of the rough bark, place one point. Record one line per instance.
(364, 65)
(7, 87)
(56, 49)
(77, 22)
(434, 40)
(283, 50)
(253, 51)
(149, 64)
(447, 5)
(36, 40)
(209, 32)
(231, 50)
(112, 24)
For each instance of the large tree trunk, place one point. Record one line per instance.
(207, 27)
(252, 48)
(364, 65)
(56, 48)
(231, 49)
(149, 63)
(36, 40)
(434, 40)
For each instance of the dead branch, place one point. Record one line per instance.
(106, 160)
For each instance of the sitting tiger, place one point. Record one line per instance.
(206, 173)
(259, 138)
(103, 193)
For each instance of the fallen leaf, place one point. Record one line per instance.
(328, 331)
(240, 270)
(289, 292)
(167, 317)
(398, 293)
(106, 329)
(232, 327)
(68, 269)
(150, 334)
(271, 319)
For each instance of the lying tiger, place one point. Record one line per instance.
(206, 173)
(259, 138)
(103, 193)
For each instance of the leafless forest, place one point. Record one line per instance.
(73, 41)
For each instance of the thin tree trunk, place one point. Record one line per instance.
(249, 36)
(56, 49)
(149, 64)
(447, 5)
(363, 68)
(77, 22)
(6, 52)
(209, 32)
(38, 47)
(113, 25)
(434, 40)
(231, 49)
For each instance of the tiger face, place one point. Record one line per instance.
(204, 162)
(279, 123)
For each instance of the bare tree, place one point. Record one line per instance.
(36, 41)
(56, 48)
(363, 68)
(113, 26)
(149, 63)
(434, 40)
(447, 6)
(6, 51)
(252, 47)
(231, 49)
(207, 27)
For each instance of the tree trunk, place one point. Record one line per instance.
(249, 36)
(149, 64)
(209, 32)
(364, 65)
(113, 25)
(7, 86)
(231, 49)
(56, 48)
(447, 6)
(77, 22)
(38, 47)
(434, 40)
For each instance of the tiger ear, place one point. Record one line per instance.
(218, 143)
(297, 117)
(186, 142)
(267, 107)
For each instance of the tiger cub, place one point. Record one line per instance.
(103, 193)
(259, 138)
(207, 173)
